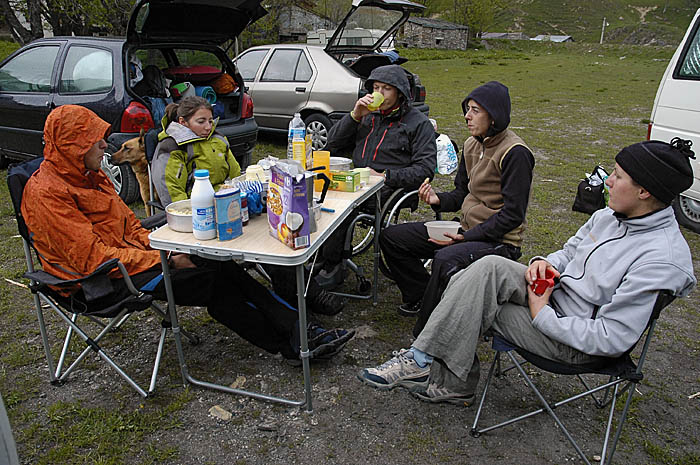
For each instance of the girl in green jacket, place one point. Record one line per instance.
(188, 142)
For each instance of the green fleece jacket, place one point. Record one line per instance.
(180, 151)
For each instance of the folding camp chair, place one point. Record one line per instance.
(93, 301)
(623, 376)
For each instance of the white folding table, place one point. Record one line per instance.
(258, 246)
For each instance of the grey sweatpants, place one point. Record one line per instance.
(490, 293)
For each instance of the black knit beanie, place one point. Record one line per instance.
(661, 168)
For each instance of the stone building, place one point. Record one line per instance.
(296, 22)
(433, 33)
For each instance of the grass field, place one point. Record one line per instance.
(575, 106)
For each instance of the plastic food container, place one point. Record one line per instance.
(179, 215)
(341, 164)
(437, 229)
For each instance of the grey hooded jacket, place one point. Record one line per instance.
(401, 144)
(611, 272)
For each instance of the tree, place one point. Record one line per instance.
(30, 9)
(267, 29)
(66, 17)
(477, 14)
(480, 14)
(333, 10)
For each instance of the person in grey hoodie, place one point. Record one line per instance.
(609, 275)
(395, 141)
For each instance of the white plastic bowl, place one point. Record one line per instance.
(437, 229)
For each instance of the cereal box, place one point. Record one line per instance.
(287, 209)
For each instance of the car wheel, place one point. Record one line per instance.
(4, 162)
(318, 126)
(687, 212)
(122, 177)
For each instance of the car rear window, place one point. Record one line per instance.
(249, 62)
(287, 65)
(86, 70)
(30, 71)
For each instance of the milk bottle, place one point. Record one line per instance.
(202, 199)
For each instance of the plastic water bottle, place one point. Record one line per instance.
(297, 129)
(202, 199)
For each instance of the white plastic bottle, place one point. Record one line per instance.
(297, 129)
(202, 199)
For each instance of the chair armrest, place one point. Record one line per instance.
(154, 221)
(95, 285)
(48, 279)
(156, 204)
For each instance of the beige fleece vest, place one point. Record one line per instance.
(484, 163)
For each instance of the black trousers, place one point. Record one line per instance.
(333, 250)
(404, 245)
(234, 299)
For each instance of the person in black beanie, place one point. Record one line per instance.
(610, 274)
(661, 168)
(491, 194)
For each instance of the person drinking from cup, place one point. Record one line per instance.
(395, 140)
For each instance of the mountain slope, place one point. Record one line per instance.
(661, 22)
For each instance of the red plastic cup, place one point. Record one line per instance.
(540, 285)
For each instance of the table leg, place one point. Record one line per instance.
(172, 310)
(377, 251)
(304, 349)
(187, 378)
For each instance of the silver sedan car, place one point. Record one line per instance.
(324, 82)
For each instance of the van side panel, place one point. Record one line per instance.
(676, 111)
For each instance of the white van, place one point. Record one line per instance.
(676, 113)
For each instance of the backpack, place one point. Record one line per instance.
(153, 83)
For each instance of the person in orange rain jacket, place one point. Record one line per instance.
(77, 221)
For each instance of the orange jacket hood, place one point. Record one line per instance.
(70, 131)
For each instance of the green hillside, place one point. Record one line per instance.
(664, 23)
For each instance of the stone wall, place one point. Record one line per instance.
(418, 36)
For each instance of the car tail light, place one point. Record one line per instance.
(421, 94)
(649, 130)
(247, 111)
(136, 117)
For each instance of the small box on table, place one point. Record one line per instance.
(345, 181)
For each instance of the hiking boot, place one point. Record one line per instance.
(436, 394)
(401, 370)
(326, 303)
(323, 344)
(330, 279)
(410, 309)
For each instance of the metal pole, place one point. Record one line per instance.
(602, 31)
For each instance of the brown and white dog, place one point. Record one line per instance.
(133, 152)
